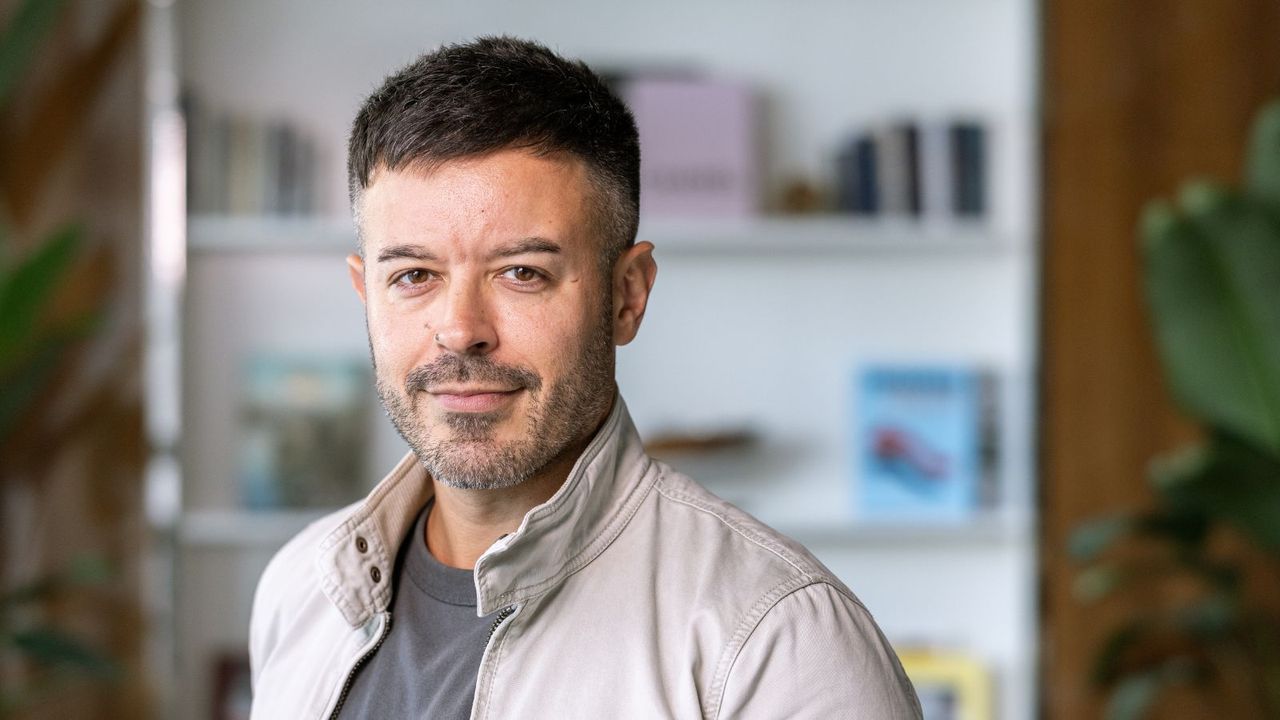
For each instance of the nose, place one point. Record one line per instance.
(464, 327)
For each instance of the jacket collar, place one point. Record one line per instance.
(556, 538)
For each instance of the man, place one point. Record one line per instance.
(535, 561)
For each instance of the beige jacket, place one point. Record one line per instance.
(631, 593)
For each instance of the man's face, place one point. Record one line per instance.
(490, 325)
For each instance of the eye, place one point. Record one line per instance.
(524, 275)
(410, 278)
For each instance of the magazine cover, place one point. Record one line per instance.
(924, 447)
(304, 432)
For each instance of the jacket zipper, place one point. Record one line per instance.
(351, 676)
(503, 614)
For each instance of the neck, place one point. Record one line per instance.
(464, 523)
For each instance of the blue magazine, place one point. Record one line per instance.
(919, 443)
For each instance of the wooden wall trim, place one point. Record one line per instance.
(1138, 97)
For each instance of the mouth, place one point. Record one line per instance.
(472, 399)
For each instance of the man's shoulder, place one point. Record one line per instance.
(791, 624)
(712, 530)
(294, 562)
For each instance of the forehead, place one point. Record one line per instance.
(477, 200)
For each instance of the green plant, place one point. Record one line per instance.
(1212, 272)
(54, 657)
(40, 342)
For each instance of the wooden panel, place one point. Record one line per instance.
(71, 484)
(1138, 96)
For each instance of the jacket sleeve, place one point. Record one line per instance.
(262, 622)
(817, 653)
(288, 573)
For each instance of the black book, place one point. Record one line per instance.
(968, 169)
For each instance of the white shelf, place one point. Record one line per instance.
(819, 234)
(772, 235)
(270, 234)
(983, 530)
(245, 528)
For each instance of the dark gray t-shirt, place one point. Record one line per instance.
(427, 665)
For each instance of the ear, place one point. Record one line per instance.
(355, 268)
(633, 277)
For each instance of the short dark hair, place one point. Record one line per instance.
(496, 93)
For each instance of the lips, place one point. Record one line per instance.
(472, 399)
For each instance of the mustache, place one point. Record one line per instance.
(453, 368)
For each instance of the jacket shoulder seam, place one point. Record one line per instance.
(755, 538)
(743, 632)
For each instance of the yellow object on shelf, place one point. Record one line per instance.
(951, 685)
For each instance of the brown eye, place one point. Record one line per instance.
(412, 277)
(524, 274)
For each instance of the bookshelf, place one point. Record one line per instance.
(761, 320)
(767, 235)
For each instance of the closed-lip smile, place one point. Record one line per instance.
(472, 399)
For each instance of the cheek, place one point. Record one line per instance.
(548, 338)
(396, 340)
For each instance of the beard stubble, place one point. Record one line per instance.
(465, 453)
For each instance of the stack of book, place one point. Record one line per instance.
(237, 165)
(915, 169)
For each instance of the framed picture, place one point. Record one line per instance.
(950, 685)
(303, 431)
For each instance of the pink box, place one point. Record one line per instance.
(699, 149)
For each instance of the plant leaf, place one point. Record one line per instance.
(1187, 527)
(84, 570)
(22, 386)
(1091, 538)
(25, 292)
(29, 592)
(55, 648)
(1108, 662)
(28, 27)
(1230, 479)
(90, 569)
(1262, 165)
(1099, 581)
(1134, 696)
(1213, 286)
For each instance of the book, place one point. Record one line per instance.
(894, 163)
(935, 171)
(969, 169)
(303, 431)
(700, 142)
(857, 182)
(951, 685)
(923, 445)
(245, 166)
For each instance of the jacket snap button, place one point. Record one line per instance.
(362, 545)
(376, 574)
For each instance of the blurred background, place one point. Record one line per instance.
(977, 299)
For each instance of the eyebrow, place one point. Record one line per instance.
(519, 247)
(524, 246)
(414, 252)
